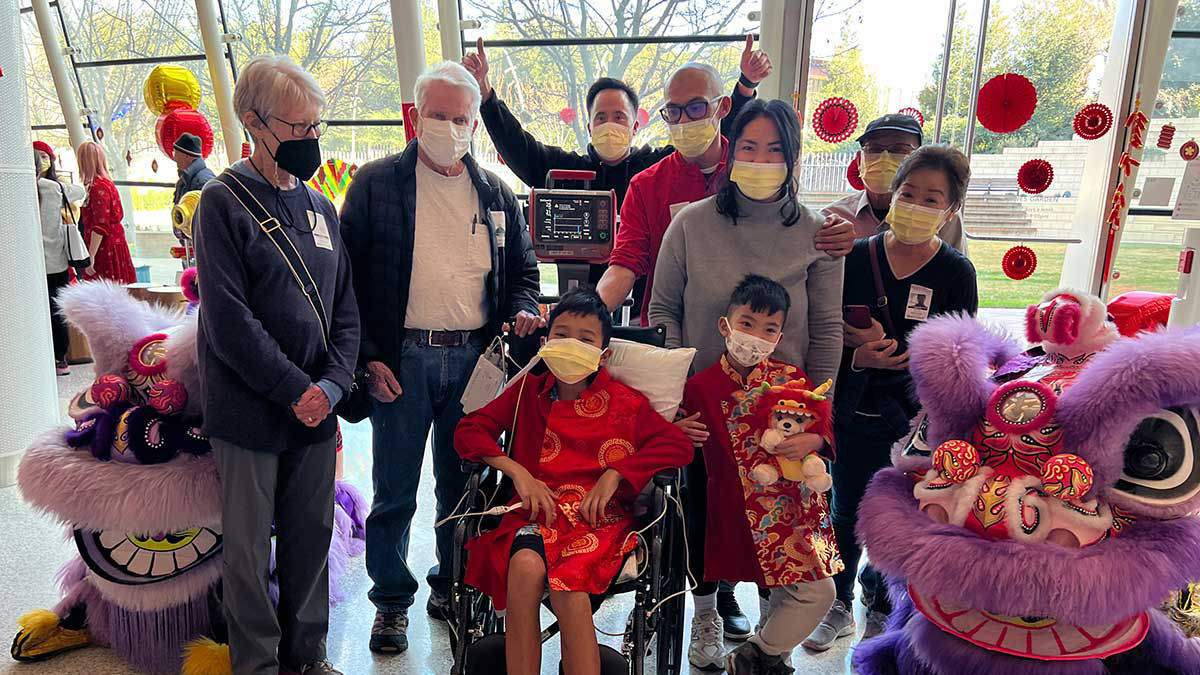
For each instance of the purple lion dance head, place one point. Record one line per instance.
(1046, 505)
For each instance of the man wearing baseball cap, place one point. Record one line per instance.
(884, 145)
(193, 172)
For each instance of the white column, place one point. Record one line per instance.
(219, 73)
(67, 98)
(410, 55)
(28, 387)
(785, 33)
(448, 28)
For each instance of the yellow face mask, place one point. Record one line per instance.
(914, 224)
(570, 360)
(611, 140)
(758, 181)
(691, 139)
(878, 169)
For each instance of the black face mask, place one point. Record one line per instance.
(299, 157)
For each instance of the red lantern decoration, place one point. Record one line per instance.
(1189, 151)
(1165, 136)
(175, 122)
(245, 150)
(835, 119)
(1006, 103)
(852, 176)
(1019, 262)
(643, 118)
(1035, 176)
(567, 115)
(1093, 121)
(913, 113)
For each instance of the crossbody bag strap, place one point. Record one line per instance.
(881, 300)
(273, 229)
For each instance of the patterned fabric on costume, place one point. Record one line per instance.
(102, 215)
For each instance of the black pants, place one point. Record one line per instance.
(58, 324)
(864, 446)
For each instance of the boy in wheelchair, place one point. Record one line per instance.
(583, 447)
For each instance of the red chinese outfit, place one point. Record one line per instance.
(772, 535)
(568, 445)
(102, 214)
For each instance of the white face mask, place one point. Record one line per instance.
(746, 349)
(444, 141)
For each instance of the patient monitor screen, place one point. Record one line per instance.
(573, 224)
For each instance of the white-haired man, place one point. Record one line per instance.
(275, 355)
(442, 258)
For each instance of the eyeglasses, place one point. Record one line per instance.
(301, 129)
(696, 110)
(898, 149)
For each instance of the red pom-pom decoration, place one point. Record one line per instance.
(1035, 176)
(852, 176)
(1019, 262)
(1093, 121)
(1189, 151)
(1067, 477)
(109, 390)
(835, 119)
(567, 115)
(1006, 103)
(957, 461)
(173, 123)
(1165, 136)
(191, 290)
(167, 397)
(913, 113)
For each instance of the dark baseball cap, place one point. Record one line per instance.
(894, 122)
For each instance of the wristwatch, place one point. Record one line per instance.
(746, 81)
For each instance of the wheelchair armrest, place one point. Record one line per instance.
(472, 468)
(664, 478)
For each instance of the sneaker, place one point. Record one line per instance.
(876, 624)
(389, 633)
(320, 668)
(838, 622)
(438, 606)
(706, 652)
(748, 659)
(737, 625)
(61, 368)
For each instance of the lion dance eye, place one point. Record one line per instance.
(1161, 463)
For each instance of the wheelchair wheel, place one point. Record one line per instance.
(669, 620)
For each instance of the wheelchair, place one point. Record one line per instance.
(473, 618)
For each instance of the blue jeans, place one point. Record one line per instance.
(432, 380)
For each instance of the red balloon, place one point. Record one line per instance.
(177, 121)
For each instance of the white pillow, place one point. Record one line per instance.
(658, 373)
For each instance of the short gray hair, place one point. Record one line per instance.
(941, 157)
(714, 78)
(451, 73)
(270, 81)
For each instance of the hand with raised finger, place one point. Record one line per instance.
(477, 65)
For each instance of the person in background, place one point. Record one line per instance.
(193, 172)
(442, 260)
(102, 214)
(53, 197)
(922, 277)
(276, 354)
(883, 146)
(612, 108)
(755, 223)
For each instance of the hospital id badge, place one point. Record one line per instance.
(919, 301)
(486, 380)
(320, 230)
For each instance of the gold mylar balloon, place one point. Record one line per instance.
(181, 214)
(170, 86)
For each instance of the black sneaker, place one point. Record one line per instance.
(320, 668)
(389, 633)
(748, 659)
(438, 606)
(737, 625)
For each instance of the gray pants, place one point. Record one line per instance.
(294, 490)
(795, 611)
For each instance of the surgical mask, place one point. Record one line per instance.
(759, 181)
(300, 157)
(878, 170)
(611, 140)
(444, 141)
(570, 360)
(914, 224)
(746, 349)
(691, 139)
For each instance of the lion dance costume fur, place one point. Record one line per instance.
(1058, 509)
(136, 485)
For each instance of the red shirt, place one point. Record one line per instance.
(654, 196)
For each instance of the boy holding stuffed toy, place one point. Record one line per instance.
(765, 523)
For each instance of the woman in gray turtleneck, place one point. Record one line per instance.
(753, 225)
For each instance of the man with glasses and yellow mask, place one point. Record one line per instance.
(885, 144)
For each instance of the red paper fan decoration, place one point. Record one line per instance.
(1035, 176)
(1019, 262)
(1006, 103)
(835, 119)
(852, 176)
(1189, 151)
(913, 113)
(643, 118)
(567, 115)
(1093, 121)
